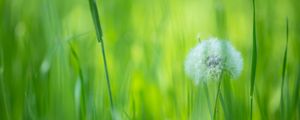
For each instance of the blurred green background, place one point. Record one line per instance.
(47, 47)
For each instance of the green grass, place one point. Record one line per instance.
(208, 100)
(217, 98)
(282, 105)
(52, 62)
(254, 60)
(82, 85)
(3, 89)
(94, 11)
(296, 99)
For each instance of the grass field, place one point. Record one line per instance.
(52, 63)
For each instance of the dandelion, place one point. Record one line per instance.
(211, 58)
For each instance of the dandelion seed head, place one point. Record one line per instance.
(210, 58)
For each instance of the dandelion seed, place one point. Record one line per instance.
(210, 58)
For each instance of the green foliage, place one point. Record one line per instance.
(254, 61)
(51, 64)
(94, 11)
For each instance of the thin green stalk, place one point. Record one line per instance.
(217, 97)
(191, 102)
(254, 60)
(189, 90)
(225, 108)
(227, 99)
(94, 11)
(208, 100)
(82, 97)
(282, 110)
(3, 92)
(133, 108)
(190, 94)
(261, 106)
(296, 93)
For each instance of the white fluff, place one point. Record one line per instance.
(212, 57)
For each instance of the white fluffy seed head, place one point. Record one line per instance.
(210, 58)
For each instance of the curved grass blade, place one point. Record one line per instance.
(83, 90)
(282, 110)
(254, 60)
(94, 11)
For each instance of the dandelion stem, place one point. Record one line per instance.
(254, 59)
(217, 97)
(94, 11)
(283, 73)
(223, 104)
(208, 100)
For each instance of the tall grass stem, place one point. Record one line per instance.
(83, 92)
(282, 110)
(95, 15)
(254, 60)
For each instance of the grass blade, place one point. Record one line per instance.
(96, 19)
(3, 89)
(225, 108)
(261, 105)
(296, 94)
(83, 91)
(282, 110)
(216, 100)
(208, 100)
(254, 60)
(97, 25)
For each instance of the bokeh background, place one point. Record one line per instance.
(47, 47)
